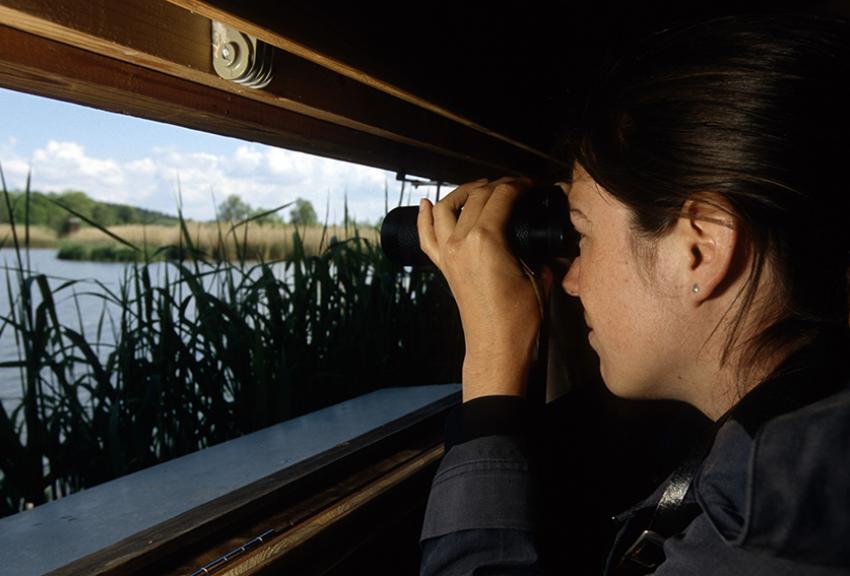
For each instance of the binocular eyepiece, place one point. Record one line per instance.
(539, 229)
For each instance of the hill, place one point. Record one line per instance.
(43, 211)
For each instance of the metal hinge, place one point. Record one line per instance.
(241, 58)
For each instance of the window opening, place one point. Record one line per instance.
(166, 290)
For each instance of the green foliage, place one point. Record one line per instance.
(233, 209)
(194, 362)
(113, 253)
(44, 210)
(72, 251)
(105, 252)
(303, 213)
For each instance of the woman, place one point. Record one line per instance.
(712, 204)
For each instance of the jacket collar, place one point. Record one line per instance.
(770, 483)
(820, 364)
(821, 361)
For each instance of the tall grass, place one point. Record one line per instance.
(195, 362)
(40, 236)
(252, 241)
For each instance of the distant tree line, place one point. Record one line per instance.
(301, 212)
(44, 210)
(234, 209)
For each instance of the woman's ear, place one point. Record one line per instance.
(710, 235)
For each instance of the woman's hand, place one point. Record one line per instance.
(498, 307)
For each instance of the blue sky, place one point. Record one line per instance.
(122, 159)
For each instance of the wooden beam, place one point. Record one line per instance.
(169, 39)
(276, 553)
(32, 64)
(248, 18)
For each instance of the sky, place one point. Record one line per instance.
(127, 160)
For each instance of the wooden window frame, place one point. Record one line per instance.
(152, 59)
(313, 513)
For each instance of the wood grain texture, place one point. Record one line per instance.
(288, 497)
(163, 37)
(46, 68)
(272, 554)
(248, 18)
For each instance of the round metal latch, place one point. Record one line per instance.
(241, 58)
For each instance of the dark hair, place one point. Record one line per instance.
(753, 108)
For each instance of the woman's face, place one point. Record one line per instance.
(636, 324)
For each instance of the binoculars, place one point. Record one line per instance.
(539, 229)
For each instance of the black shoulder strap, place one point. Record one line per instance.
(671, 515)
(782, 392)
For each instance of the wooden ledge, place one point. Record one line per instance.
(299, 477)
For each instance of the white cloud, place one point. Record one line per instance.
(247, 157)
(13, 166)
(15, 172)
(263, 176)
(61, 156)
(142, 166)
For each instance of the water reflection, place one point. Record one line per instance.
(82, 306)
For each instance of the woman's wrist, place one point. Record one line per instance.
(495, 375)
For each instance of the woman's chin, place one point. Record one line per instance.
(624, 389)
(618, 390)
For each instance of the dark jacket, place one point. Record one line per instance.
(773, 492)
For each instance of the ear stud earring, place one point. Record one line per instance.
(695, 288)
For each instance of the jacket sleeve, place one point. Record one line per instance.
(481, 517)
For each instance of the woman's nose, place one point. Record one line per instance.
(571, 278)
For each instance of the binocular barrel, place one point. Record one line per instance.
(539, 229)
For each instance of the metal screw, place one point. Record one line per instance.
(229, 52)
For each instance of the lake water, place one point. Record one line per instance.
(58, 271)
(91, 306)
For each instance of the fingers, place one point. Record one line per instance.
(500, 204)
(455, 199)
(477, 197)
(468, 205)
(471, 212)
(425, 227)
(447, 210)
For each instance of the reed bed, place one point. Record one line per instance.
(191, 363)
(220, 241)
(40, 236)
